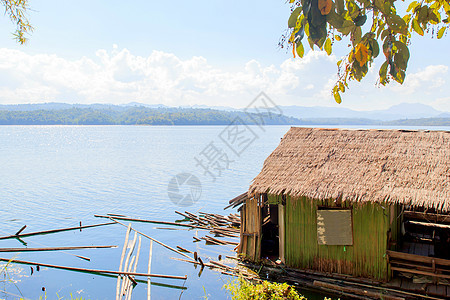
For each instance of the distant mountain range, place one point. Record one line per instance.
(159, 114)
(57, 114)
(396, 112)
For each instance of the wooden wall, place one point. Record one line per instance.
(365, 258)
(250, 245)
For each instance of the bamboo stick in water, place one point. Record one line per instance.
(127, 259)
(101, 272)
(131, 286)
(149, 268)
(121, 260)
(155, 240)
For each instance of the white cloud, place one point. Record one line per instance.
(442, 104)
(117, 76)
(428, 79)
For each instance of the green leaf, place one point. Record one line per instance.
(397, 24)
(294, 16)
(360, 20)
(441, 33)
(433, 18)
(406, 18)
(380, 4)
(315, 17)
(341, 87)
(403, 50)
(380, 27)
(436, 5)
(383, 70)
(400, 76)
(340, 8)
(416, 27)
(356, 36)
(338, 37)
(412, 6)
(321, 42)
(335, 20)
(384, 34)
(306, 6)
(347, 27)
(337, 97)
(311, 43)
(318, 34)
(401, 57)
(353, 9)
(423, 14)
(374, 47)
(300, 50)
(327, 46)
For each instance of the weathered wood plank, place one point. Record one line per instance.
(418, 258)
(420, 272)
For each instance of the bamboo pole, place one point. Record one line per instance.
(196, 218)
(125, 244)
(126, 280)
(185, 250)
(184, 215)
(222, 241)
(221, 265)
(130, 251)
(52, 231)
(126, 266)
(155, 240)
(137, 254)
(216, 265)
(150, 221)
(21, 229)
(92, 270)
(54, 248)
(129, 282)
(149, 269)
(130, 287)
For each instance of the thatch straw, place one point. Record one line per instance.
(397, 166)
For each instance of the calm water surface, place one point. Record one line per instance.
(57, 176)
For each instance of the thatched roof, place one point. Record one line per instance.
(410, 167)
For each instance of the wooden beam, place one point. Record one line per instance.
(10, 260)
(53, 248)
(150, 221)
(353, 290)
(429, 217)
(418, 258)
(51, 231)
(155, 240)
(420, 272)
(426, 224)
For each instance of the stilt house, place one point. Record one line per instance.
(352, 202)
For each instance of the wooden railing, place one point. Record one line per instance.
(418, 264)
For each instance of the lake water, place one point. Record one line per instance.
(56, 176)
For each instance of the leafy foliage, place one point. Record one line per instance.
(241, 289)
(17, 10)
(327, 22)
(138, 116)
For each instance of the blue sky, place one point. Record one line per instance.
(191, 52)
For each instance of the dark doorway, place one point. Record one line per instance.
(270, 234)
